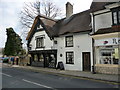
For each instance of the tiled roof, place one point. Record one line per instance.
(108, 30)
(96, 6)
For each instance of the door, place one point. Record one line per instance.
(86, 61)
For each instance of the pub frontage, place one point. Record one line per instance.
(44, 58)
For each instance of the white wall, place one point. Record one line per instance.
(82, 43)
(103, 20)
(47, 42)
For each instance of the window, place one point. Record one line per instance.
(109, 55)
(69, 41)
(116, 16)
(40, 42)
(35, 57)
(69, 58)
(119, 16)
(55, 42)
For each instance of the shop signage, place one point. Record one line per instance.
(116, 41)
(107, 41)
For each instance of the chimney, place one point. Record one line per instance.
(69, 9)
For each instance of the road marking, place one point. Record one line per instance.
(6, 74)
(37, 84)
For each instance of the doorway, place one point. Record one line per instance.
(86, 61)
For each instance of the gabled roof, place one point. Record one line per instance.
(47, 23)
(76, 23)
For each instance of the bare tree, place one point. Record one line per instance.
(32, 9)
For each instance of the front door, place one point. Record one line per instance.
(86, 61)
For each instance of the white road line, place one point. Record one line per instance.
(6, 74)
(37, 84)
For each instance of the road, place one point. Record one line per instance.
(20, 78)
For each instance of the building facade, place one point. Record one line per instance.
(40, 44)
(79, 41)
(74, 44)
(75, 51)
(66, 40)
(106, 28)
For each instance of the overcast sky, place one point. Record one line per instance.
(10, 9)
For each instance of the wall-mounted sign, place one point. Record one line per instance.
(107, 41)
(116, 41)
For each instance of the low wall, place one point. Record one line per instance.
(107, 68)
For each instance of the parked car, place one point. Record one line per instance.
(5, 59)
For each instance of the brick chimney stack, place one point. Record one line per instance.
(69, 9)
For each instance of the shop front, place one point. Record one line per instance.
(107, 55)
(44, 58)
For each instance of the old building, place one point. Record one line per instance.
(106, 29)
(66, 40)
(40, 44)
(73, 41)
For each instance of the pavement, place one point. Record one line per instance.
(76, 74)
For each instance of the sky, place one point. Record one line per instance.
(10, 11)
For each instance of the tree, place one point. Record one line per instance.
(13, 45)
(43, 8)
(33, 9)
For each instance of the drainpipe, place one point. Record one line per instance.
(93, 48)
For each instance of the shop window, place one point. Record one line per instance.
(69, 58)
(41, 59)
(69, 41)
(35, 58)
(109, 56)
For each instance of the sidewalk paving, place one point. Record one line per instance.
(81, 74)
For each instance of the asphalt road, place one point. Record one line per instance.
(20, 78)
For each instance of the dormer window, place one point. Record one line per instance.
(116, 16)
(39, 27)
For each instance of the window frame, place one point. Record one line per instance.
(68, 61)
(117, 11)
(67, 41)
(41, 39)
